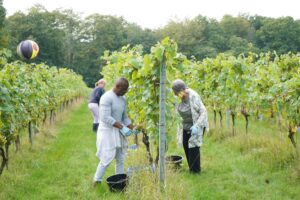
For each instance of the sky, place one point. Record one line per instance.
(156, 13)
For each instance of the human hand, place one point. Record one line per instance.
(130, 126)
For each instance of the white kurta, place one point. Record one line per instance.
(108, 139)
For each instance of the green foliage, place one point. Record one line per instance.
(279, 34)
(203, 37)
(143, 71)
(3, 31)
(42, 27)
(5, 54)
(248, 84)
(29, 91)
(2, 14)
(251, 84)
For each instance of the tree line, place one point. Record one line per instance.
(67, 39)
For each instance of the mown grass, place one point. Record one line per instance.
(62, 162)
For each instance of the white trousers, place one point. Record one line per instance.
(119, 168)
(95, 110)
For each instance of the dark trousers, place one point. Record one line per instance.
(192, 154)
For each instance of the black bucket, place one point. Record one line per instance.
(175, 160)
(117, 182)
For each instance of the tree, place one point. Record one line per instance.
(281, 35)
(236, 26)
(102, 32)
(136, 35)
(2, 14)
(188, 33)
(42, 27)
(3, 31)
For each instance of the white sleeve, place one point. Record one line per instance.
(105, 110)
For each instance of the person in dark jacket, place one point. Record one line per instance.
(94, 102)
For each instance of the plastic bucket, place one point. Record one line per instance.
(175, 160)
(117, 182)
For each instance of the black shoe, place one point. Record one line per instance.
(95, 127)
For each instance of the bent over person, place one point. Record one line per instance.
(113, 129)
(194, 123)
(94, 102)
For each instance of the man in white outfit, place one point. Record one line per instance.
(113, 129)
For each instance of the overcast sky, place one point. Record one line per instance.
(156, 13)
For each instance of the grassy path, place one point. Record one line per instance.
(59, 167)
(62, 163)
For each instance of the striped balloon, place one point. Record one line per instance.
(28, 49)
